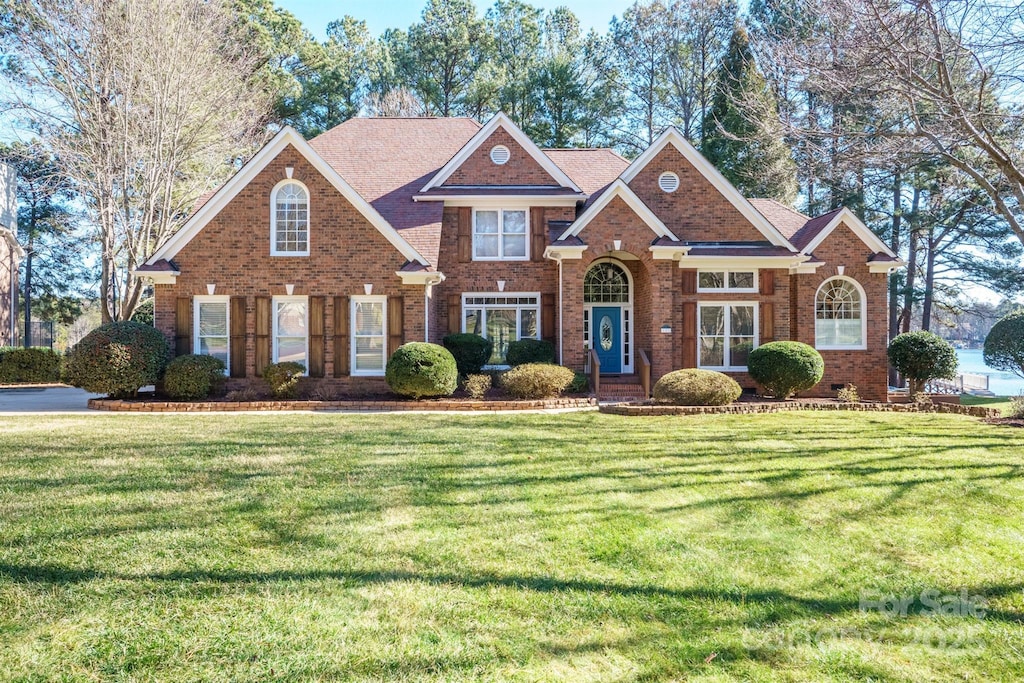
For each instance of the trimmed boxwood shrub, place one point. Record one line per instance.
(1004, 345)
(283, 378)
(419, 370)
(537, 380)
(117, 359)
(694, 387)
(921, 356)
(785, 368)
(471, 352)
(34, 365)
(192, 377)
(530, 351)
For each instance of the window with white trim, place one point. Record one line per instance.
(289, 219)
(727, 333)
(727, 281)
(500, 235)
(291, 330)
(839, 321)
(211, 327)
(369, 335)
(502, 318)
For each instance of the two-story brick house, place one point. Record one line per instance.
(333, 252)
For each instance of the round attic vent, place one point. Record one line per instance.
(500, 154)
(668, 181)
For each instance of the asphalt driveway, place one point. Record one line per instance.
(44, 400)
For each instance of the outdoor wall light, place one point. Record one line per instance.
(666, 329)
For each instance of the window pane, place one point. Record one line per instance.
(515, 222)
(370, 353)
(528, 323)
(741, 323)
(710, 280)
(291, 214)
(501, 330)
(486, 246)
(712, 320)
(487, 222)
(291, 349)
(369, 317)
(741, 280)
(474, 321)
(214, 346)
(712, 352)
(739, 350)
(515, 245)
(291, 318)
(213, 318)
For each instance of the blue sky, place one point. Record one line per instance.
(382, 14)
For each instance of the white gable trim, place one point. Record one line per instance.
(673, 137)
(248, 172)
(857, 225)
(619, 189)
(499, 120)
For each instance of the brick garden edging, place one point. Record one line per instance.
(144, 406)
(779, 407)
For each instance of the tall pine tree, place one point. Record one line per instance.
(742, 132)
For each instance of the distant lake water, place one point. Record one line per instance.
(1001, 383)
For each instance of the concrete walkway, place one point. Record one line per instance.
(44, 400)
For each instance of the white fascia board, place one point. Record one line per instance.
(556, 253)
(673, 137)
(503, 200)
(421, 277)
(886, 266)
(500, 120)
(619, 189)
(230, 189)
(165, 278)
(857, 226)
(668, 252)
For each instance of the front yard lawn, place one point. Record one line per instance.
(575, 547)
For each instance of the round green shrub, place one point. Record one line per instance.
(190, 378)
(471, 352)
(1004, 345)
(580, 384)
(921, 356)
(283, 378)
(33, 365)
(117, 359)
(419, 370)
(530, 351)
(785, 368)
(537, 380)
(694, 387)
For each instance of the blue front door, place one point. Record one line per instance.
(606, 332)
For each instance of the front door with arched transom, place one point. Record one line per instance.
(607, 311)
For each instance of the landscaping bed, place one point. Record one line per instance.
(746, 407)
(157, 405)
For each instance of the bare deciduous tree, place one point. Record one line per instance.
(146, 103)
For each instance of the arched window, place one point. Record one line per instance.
(289, 220)
(606, 283)
(839, 320)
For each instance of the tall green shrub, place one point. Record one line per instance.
(785, 368)
(530, 351)
(420, 370)
(1004, 345)
(34, 365)
(192, 377)
(471, 351)
(117, 359)
(921, 356)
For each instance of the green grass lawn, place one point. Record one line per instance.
(1004, 403)
(579, 547)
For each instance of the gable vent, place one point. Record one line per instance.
(668, 181)
(500, 154)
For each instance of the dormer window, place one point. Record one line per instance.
(289, 219)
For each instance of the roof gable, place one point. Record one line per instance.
(501, 126)
(621, 190)
(672, 138)
(249, 171)
(817, 229)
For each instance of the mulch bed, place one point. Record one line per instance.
(374, 404)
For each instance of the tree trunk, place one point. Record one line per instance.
(28, 296)
(929, 284)
(894, 244)
(908, 292)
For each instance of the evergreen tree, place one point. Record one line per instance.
(742, 133)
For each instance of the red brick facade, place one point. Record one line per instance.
(348, 252)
